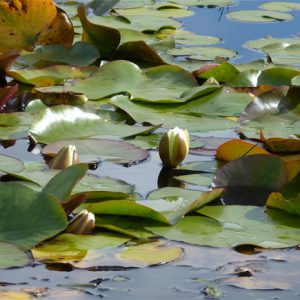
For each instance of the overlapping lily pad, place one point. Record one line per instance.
(30, 217)
(229, 226)
(57, 123)
(12, 256)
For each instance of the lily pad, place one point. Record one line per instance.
(10, 164)
(12, 256)
(57, 123)
(161, 210)
(201, 166)
(230, 226)
(168, 119)
(97, 149)
(280, 6)
(259, 16)
(166, 10)
(31, 217)
(71, 248)
(80, 54)
(203, 53)
(196, 179)
(128, 226)
(140, 23)
(251, 178)
(209, 3)
(155, 253)
(162, 83)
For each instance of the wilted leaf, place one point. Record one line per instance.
(234, 149)
(60, 31)
(6, 93)
(22, 22)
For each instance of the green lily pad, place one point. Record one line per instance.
(280, 6)
(165, 10)
(200, 166)
(203, 53)
(184, 37)
(209, 3)
(52, 75)
(162, 83)
(14, 125)
(81, 54)
(128, 226)
(162, 210)
(10, 164)
(230, 226)
(71, 248)
(174, 192)
(168, 119)
(259, 16)
(222, 102)
(91, 185)
(196, 179)
(70, 176)
(30, 217)
(11, 256)
(155, 253)
(57, 123)
(97, 149)
(133, 3)
(140, 23)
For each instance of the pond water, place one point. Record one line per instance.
(203, 272)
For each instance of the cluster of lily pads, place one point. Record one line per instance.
(111, 87)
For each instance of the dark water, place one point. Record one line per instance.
(202, 269)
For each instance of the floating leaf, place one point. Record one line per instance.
(203, 53)
(281, 145)
(30, 217)
(200, 166)
(139, 23)
(157, 10)
(96, 150)
(261, 16)
(10, 164)
(48, 76)
(280, 6)
(251, 178)
(196, 179)
(234, 149)
(11, 256)
(128, 226)
(70, 248)
(230, 226)
(155, 253)
(169, 119)
(80, 54)
(57, 123)
(23, 21)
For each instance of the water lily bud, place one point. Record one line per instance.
(83, 223)
(174, 147)
(67, 156)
